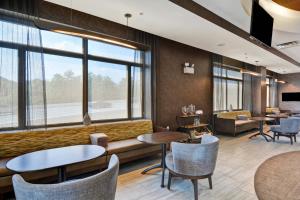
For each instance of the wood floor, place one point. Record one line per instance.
(233, 179)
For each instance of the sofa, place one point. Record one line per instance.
(121, 141)
(228, 122)
(272, 110)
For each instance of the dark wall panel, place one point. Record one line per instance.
(175, 89)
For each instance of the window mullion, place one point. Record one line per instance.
(85, 77)
(22, 88)
(129, 93)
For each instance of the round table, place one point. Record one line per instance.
(261, 121)
(277, 117)
(55, 158)
(162, 138)
(278, 177)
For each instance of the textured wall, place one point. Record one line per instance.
(175, 89)
(292, 85)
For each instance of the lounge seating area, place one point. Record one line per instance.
(152, 100)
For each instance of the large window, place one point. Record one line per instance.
(228, 89)
(8, 88)
(81, 75)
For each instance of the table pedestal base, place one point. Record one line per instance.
(161, 165)
(261, 132)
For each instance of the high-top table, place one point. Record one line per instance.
(261, 121)
(278, 177)
(55, 158)
(162, 138)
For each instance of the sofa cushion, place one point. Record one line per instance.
(3, 170)
(124, 145)
(242, 117)
(234, 114)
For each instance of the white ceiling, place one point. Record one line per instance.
(166, 19)
(286, 21)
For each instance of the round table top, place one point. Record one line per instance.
(162, 137)
(278, 115)
(278, 177)
(262, 118)
(57, 157)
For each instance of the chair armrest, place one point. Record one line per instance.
(225, 125)
(100, 139)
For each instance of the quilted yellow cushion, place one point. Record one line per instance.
(272, 110)
(17, 143)
(234, 114)
(125, 130)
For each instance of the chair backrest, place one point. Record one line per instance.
(196, 159)
(101, 186)
(290, 125)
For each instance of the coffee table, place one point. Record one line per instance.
(55, 158)
(261, 121)
(278, 177)
(162, 138)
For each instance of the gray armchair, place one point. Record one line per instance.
(101, 186)
(193, 161)
(288, 127)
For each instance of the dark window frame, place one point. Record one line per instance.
(22, 49)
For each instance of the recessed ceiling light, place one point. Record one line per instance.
(221, 44)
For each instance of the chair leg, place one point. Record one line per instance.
(295, 138)
(274, 135)
(195, 183)
(169, 180)
(277, 136)
(291, 138)
(210, 182)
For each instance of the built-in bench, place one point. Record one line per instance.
(121, 141)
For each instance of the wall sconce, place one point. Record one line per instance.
(188, 68)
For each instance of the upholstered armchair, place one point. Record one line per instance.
(101, 186)
(193, 161)
(288, 127)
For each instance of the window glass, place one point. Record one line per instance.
(218, 71)
(103, 49)
(8, 88)
(136, 88)
(61, 41)
(219, 94)
(234, 74)
(268, 96)
(63, 89)
(17, 33)
(241, 95)
(108, 86)
(232, 93)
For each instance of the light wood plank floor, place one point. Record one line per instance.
(233, 179)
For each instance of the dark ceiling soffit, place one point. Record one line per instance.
(212, 17)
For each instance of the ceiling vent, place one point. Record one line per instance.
(288, 45)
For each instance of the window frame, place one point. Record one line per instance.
(23, 48)
(239, 84)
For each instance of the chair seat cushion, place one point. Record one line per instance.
(124, 145)
(275, 128)
(3, 170)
